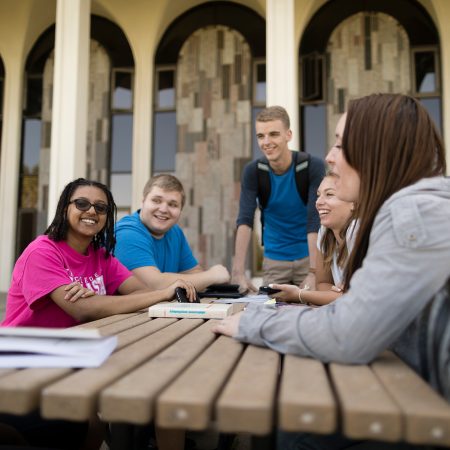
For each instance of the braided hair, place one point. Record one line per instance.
(57, 231)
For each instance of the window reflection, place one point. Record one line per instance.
(314, 118)
(30, 163)
(122, 97)
(256, 151)
(425, 72)
(433, 106)
(165, 141)
(165, 91)
(122, 138)
(33, 105)
(260, 83)
(121, 190)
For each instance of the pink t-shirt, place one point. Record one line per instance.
(46, 265)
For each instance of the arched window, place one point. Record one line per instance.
(110, 123)
(209, 83)
(350, 49)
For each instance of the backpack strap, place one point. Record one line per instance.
(263, 177)
(301, 161)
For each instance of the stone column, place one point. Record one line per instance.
(142, 127)
(70, 97)
(282, 61)
(9, 175)
(445, 83)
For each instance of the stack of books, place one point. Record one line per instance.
(22, 347)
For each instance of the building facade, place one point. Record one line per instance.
(117, 91)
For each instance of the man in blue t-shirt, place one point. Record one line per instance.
(290, 225)
(151, 244)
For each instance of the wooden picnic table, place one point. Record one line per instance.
(181, 376)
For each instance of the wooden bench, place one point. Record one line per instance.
(182, 376)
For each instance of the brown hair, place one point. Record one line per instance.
(165, 182)
(329, 245)
(392, 142)
(274, 113)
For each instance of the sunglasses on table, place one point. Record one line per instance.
(85, 205)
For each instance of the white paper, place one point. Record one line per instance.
(22, 347)
(257, 298)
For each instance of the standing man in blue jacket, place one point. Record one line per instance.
(290, 219)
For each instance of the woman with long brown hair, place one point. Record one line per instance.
(389, 159)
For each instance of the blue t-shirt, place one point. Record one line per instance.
(136, 247)
(285, 220)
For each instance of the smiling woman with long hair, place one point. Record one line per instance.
(69, 274)
(334, 243)
(389, 159)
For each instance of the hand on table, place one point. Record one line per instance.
(228, 326)
(191, 293)
(75, 291)
(289, 292)
(245, 285)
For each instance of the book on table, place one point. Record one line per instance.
(193, 310)
(22, 347)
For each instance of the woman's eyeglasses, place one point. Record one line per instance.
(85, 205)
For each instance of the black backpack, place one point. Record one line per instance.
(301, 163)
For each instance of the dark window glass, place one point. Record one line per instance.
(312, 73)
(121, 142)
(368, 42)
(123, 92)
(166, 89)
(256, 151)
(314, 122)
(31, 146)
(433, 106)
(33, 105)
(29, 179)
(425, 72)
(260, 85)
(165, 142)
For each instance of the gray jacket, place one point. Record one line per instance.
(408, 260)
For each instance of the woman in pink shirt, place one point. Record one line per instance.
(69, 275)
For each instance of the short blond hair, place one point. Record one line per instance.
(166, 182)
(274, 113)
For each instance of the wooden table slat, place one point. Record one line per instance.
(5, 371)
(106, 320)
(426, 413)
(125, 324)
(132, 335)
(188, 402)
(306, 401)
(75, 397)
(20, 390)
(367, 411)
(132, 398)
(248, 401)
